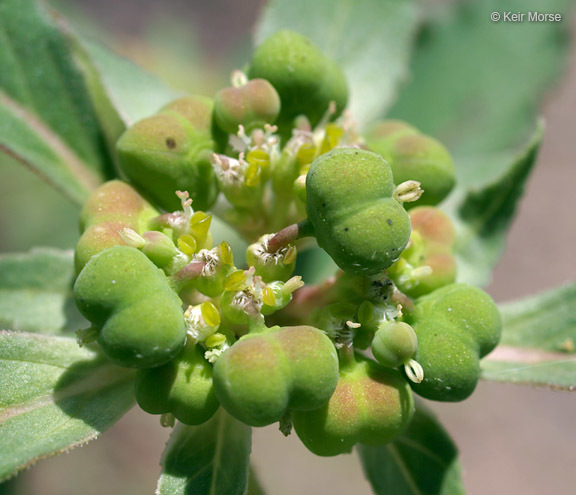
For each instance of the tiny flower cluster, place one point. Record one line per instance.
(276, 156)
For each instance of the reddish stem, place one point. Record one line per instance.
(290, 234)
(190, 271)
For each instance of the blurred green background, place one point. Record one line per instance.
(513, 440)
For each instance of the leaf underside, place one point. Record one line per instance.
(36, 292)
(47, 120)
(209, 459)
(54, 396)
(477, 85)
(421, 461)
(482, 215)
(538, 341)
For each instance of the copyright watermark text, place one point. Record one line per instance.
(506, 16)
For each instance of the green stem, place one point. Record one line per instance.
(280, 208)
(346, 356)
(257, 324)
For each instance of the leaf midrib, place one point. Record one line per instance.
(68, 157)
(106, 377)
(404, 469)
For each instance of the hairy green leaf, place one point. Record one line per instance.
(47, 120)
(370, 39)
(36, 292)
(421, 461)
(209, 459)
(483, 214)
(464, 91)
(477, 85)
(538, 344)
(54, 396)
(132, 92)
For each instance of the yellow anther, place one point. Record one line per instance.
(268, 297)
(210, 314)
(226, 254)
(253, 174)
(235, 280)
(290, 255)
(187, 244)
(215, 340)
(331, 138)
(306, 154)
(258, 157)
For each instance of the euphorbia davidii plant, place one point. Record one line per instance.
(353, 292)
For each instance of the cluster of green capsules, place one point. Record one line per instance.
(277, 157)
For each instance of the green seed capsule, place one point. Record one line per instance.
(264, 375)
(182, 387)
(371, 405)
(139, 318)
(306, 80)
(171, 152)
(112, 207)
(251, 105)
(350, 204)
(456, 326)
(378, 136)
(428, 263)
(414, 156)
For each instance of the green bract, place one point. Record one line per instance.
(414, 156)
(111, 208)
(171, 152)
(264, 375)
(456, 326)
(306, 80)
(356, 220)
(371, 405)
(428, 263)
(182, 387)
(139, 318)
(252, 105)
